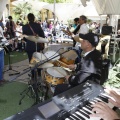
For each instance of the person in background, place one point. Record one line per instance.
(11, 27)
(76, 29)
(1, 24)
(1, 33)
(103, 111)
(76, 22)
(83, 29)
(32, 28)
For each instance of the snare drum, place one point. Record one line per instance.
(55, 75)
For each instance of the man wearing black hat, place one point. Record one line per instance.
(90, 64)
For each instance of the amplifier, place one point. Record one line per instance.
(107, 30)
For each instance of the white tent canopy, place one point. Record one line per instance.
(104, 7)
(88, 11)
(65, 11)
(2, 6)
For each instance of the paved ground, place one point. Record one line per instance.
(20, 67)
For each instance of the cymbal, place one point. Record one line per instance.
(36, 39)
(51, 55)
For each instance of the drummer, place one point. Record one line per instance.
(32, 28)
(89, 65)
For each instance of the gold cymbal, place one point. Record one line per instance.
(36, 39)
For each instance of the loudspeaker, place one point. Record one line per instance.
(107, 30)
(118, 24)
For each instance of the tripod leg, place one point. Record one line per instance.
(35, 87)
(46, 93)
(23, 91)
(21, 99)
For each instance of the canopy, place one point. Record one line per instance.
(105, 7)
(2, 6)
(65, 11)
(88, 11)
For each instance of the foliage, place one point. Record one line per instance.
(21, 10)
(113, 78)
(57, 1)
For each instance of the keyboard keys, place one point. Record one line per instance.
(85, 114)
(80, 114)
(80, 117)
(75, 117)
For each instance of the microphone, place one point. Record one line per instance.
(70, 48)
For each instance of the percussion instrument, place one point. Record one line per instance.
(77, 38)
(52, 54)
(46, 65)
(36, 39)
(55, 75)
(69, 57)
(37, 57)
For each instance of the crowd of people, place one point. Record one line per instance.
(86, 67)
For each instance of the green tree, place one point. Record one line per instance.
(57, 1)
(21, 10)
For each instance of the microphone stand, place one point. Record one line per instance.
(9, 63)
(35, 86)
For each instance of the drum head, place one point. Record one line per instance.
(57, 72)
(39, 56)
(51, 54)
(70, 55)
(46, 65)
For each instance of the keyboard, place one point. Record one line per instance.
(73, 104)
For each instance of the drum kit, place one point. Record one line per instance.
(52, 72)
(56, 69)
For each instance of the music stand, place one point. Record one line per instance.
(9, 64)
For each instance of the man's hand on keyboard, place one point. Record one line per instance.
(103, 111)
(116, 97)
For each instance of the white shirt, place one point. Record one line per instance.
(83, 30)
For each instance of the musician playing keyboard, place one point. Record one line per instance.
(88, 66)
(103, 111)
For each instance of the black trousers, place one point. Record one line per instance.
(30, 54)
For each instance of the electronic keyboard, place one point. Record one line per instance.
(73, 104)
